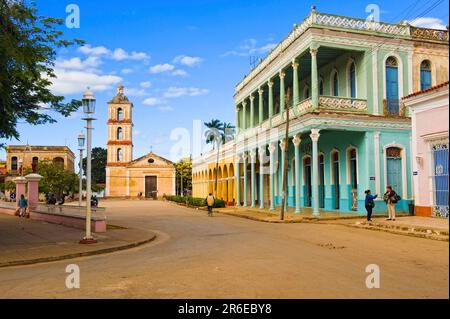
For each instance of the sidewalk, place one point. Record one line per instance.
(24, 241)
(306, 215)
(424, 227)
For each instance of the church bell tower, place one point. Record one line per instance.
(120, 125)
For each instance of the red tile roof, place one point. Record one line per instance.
(426, 90)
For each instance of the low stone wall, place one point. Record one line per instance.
(98, 225)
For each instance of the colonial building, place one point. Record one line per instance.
(348, 130)
(429, 113)
(26, 156)
(203, 177)
(151, 174)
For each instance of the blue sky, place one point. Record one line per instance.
(178, 60)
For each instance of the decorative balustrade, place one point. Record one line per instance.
(277, 120)
(360, 24)
(342, 104)
(304, 106)
(429, 34)
(330, 20)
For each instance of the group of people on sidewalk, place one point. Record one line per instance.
(390, 197)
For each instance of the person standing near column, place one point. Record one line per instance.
(391, 198)
(369, 204)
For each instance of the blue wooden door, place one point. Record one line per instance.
(440, 154)
(352, 81)
(336, 184)
(394, 173)
(308, 186)
(425, 79)
(392, 90)
(321, 183)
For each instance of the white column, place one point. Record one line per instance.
(315, 161)
(244, 159)
(272, 149)
(283, 145)
(253, 177)
(376, 143)
(375, 80)
(296, 140)
(262, 155)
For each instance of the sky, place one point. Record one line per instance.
(179, 60)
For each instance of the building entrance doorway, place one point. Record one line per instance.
(151, 183)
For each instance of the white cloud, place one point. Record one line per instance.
(78, 64)
(120, 55)
(160, 68)
(152, 101)
(187, 60)
(183, 91)
(89, 50)
(165, 108)
(179, 73)
(146, 84)
(75, 82)
(136, 133)
(127, 71)
(136, 92)
(250, 47)
(429, 22)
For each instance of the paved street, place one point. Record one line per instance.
(228, 257)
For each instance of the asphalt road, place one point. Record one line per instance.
(196, 256)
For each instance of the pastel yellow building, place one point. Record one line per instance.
(204, 174)
(150, 175)
(27, 155)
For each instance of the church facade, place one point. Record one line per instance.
(150, 175)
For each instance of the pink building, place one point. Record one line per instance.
(429, 115)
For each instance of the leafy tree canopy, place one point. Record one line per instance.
(27, 53)
(55, 179)
(98, 162)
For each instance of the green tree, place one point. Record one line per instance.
(28, 44)
(228, 132)
(55, 179)
(218, 133)
(183, 170)
(8, 186)
(98, 161)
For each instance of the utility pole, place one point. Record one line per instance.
(285, 164)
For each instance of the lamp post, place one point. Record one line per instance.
(81, 139)
(88, 102)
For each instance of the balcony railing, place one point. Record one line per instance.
(393, 108)
(334, 103)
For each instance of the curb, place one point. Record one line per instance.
(399, 232)
(76, 255)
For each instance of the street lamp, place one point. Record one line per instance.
(88, 102)
(81, 139)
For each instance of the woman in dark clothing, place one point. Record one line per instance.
(370, 204)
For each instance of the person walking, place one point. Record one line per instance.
(23, 205)
(370, 204)
(391, 198)
(210, 203)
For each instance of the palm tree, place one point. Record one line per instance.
(228, 132)
(215, 136)
(214, 132)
